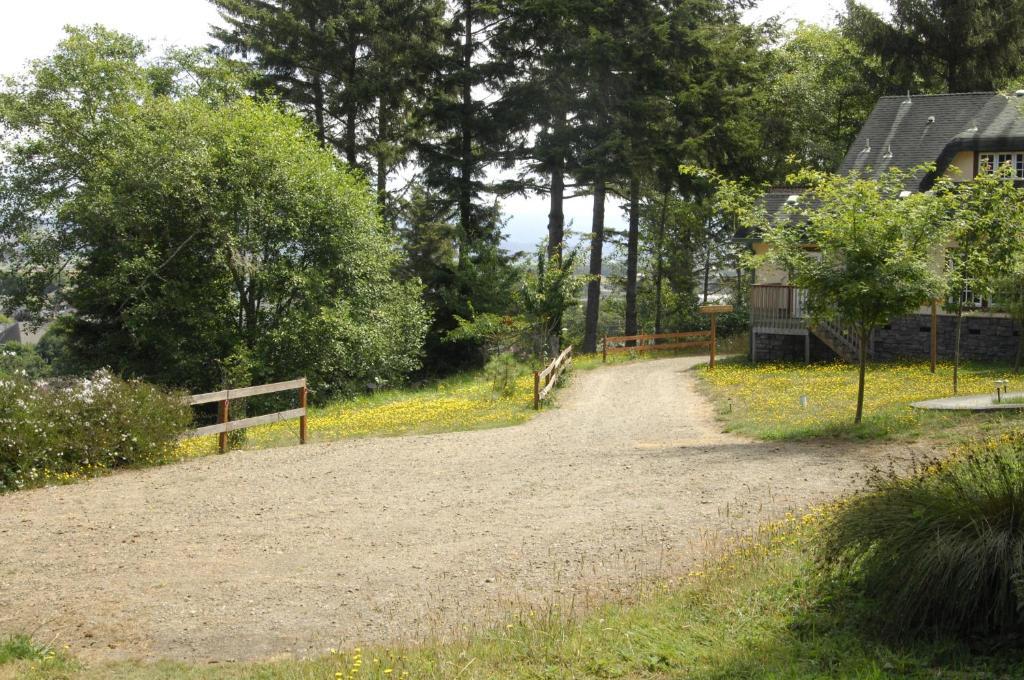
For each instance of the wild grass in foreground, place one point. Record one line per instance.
(765, 400)
(942, 548)
(757, 614)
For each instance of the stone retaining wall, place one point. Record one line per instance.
(789, 348)
(984, 338)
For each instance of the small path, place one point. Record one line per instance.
(296, 550)
(972, 402)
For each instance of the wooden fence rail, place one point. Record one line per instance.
(649, 343)
(544, 381)
(225, 424)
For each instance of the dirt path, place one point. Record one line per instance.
(296, 550)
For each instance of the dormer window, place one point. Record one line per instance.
(1015, 159)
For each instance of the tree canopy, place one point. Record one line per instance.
(202, 241)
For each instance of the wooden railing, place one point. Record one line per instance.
(778, 308)
(225, 424)
(545, 381)
(649, 343)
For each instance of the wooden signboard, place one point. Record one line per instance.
(716, 309)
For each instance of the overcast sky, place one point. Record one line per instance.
(31, 28)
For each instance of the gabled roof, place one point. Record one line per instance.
(905, 132)
(774, 201)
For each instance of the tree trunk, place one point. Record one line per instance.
(707, 272)
(351, 110)
(318, 110)
(556, 235)
(863, 359)
(956, 344)
(556, 217)
(632, 246)
(465, 192)
(382, 162)
(659, 270)
(594, 286)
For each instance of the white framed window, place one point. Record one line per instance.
(972, 300)
(1015, 159)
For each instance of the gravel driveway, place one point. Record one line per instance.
(296, 550)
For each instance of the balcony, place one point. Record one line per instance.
(778, 309)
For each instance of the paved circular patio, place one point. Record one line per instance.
(973, 402)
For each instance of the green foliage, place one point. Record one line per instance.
(63, 429)
(17, 360)
(820, 88)
(21, 648)
(942, 46)
(943, 549)
(355, 69)
(546, 295)
(206, 234)
(54, 348)
(502, 371)
(497, 334)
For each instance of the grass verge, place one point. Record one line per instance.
(758, 613)
(764, 400)
(464, 402)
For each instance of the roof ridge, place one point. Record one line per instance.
(941, 94)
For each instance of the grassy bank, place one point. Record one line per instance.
(464, 402)
(759, 613)
(764, 400)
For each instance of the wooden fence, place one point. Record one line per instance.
(225, 424)
(649, 343)
(545, 381)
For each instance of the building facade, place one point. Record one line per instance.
(962, 135)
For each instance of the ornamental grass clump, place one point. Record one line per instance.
(941, 550)
(59, 430)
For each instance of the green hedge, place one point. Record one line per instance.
(62, 429)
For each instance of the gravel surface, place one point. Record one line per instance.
(293, 551)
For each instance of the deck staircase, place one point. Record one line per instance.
(781, 310)
(839, 339)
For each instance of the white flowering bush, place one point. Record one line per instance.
(59, 430)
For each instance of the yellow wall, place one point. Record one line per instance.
(768, 273)
(962, 166)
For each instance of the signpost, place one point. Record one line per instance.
(714, 311)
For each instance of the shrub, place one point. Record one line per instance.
(21, 360)
(62, 429)
(502, 371)
(942, 549)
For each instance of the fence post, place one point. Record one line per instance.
(303, 404)
(714, 343)
(222, 417)
(536, 390)
(604, 356)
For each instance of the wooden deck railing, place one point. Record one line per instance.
(225, 424)
(778, 308)
(545, 381)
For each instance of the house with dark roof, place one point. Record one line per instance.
(961, 134)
